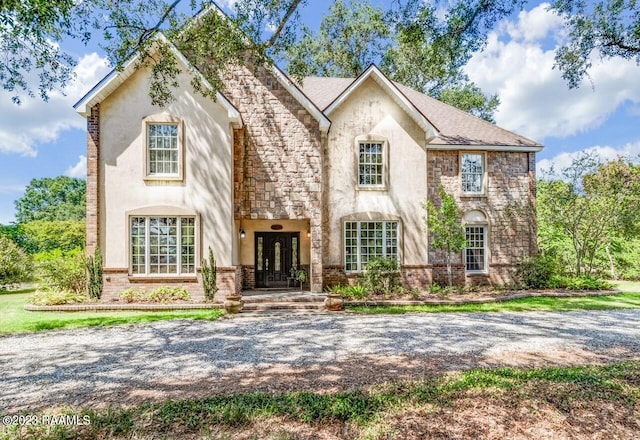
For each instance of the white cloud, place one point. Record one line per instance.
(35, 122)
(12, 188)
(606, 153)
(535, 100)
(79, 169)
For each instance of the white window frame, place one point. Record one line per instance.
(485, 248)
(483, 178)
(163, 119)
(384, 154)
(358, 245)
(147, 246)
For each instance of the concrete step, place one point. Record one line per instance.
(253, 299)
(280, 313)
(283, 306)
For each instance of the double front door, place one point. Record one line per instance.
(277, 258)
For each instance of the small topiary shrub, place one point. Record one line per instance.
(381, 276)
(94, 274)
(169, 294)
(15, 265)
(56, 297)
(133, 294)
(209, 277)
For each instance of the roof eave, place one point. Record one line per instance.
(487, 147)
(115, 78)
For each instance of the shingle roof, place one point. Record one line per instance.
(455, 127)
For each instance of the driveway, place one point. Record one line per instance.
(178, 359)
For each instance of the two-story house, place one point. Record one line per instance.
(277, 177)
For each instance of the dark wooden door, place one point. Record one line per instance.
(277, 253)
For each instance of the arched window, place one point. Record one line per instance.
(476, 253)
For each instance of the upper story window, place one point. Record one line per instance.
(163, 147)
(371, 164)
(472, 170)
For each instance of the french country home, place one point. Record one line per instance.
(277, 177)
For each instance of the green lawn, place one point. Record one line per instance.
(596, 399)
(14, 319)
(629, 299)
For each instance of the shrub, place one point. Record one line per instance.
(133, 294)
(169, 294)
(15, 264)
(587, 282)
(209, 277)
(94, 274)
(535, 272)
(355, 292)
(381, 275)
(66, 273)
(56, 297)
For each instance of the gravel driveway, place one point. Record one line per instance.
(177, 359)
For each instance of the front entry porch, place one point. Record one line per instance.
(274, 254)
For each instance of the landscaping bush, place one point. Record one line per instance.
(66, 273)
(56, 297)
(585, 282)
(15, 265)
(133, 294)
(169, 294)
(209, 277)
(94, 274)
(381, 276)
(356, 292)
(536, 272)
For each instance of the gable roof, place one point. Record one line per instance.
(115, 78)
(388, 86)
(455, 128)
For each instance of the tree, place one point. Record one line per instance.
(15, 264)
(411, 48)
(46, 235)
(31, 32)
(445, 226)
(59, 198)
(608, 29)
(594, 206)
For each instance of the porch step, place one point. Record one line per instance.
(281, 305)
(282, 299)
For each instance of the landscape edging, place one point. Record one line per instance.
(463, 301)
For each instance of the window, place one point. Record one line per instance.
(163, 153)
(162, 245)
(472, 173)
(366, 240)
(370, 164)
(475, 253)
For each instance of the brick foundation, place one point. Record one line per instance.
(117, 280)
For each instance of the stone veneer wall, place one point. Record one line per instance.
(508, 204)
(277, 156)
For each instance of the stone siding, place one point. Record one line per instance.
(277, 156)
(508, 203)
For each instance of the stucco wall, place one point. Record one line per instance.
(369, 110)
(208, 168)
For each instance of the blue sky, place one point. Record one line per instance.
(40, 139)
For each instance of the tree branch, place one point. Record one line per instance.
(294, 5)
